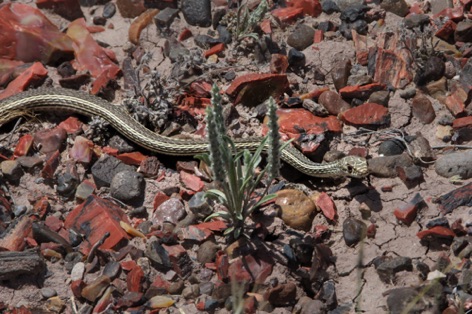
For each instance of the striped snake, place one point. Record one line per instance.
(59, 99)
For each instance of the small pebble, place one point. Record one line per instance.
(48, 293)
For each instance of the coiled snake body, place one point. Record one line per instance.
(58, 99)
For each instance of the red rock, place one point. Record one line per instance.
(361, 92)
(149, 167)
(464, 122)
(159, 198)
(194, 233)
(266, 27)
(407, 213)
(34, 75)
(185, 34)
(130, 9)
(309, 7)
(392, 67)
(436, 232)
(455, 14)
(53, 223)
(135, 279)
(333, 102)
(254, 88)
(14, 240)
(179, 258)
(455, 101)
(24, 145)
(320, 231)
(292, 121)
(90, 56)
(51, 164)
(133, 158)
(249, 269)
(95, 217)
(81, 151)
(76, 287)
(215, 225)
(161, 283)
(319, 36)
(327, 206)
(362, 51)
(416, 9)
(278, 63)
(71, 125)
(200, 89)
(446, 32)
(422, 109)
(287, 15)
(105, 300)
(191, 181)
(128, 265)
(371, 231)
(68, 9)
(216, 49)
(366, 114)
(138, 24)
(23, 28)
(41, 207)
(314, 94)
(222, 265)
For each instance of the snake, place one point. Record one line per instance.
(61, 99)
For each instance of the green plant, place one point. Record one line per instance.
(235, 171)
(246, 22)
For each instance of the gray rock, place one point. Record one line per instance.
(106, 168)
(408, 93)
(455, 164)
(122, 145)
(48, 293)
(391, 147)
(301, 37)
(329, 6)
(345, 4)
(109, 10)
(199, 205)
(416, 20)
(386, 166)
(399, 298)
(197, 12)
(207, 251)
(340, 73)
(380, 97)
(463, 31)
(390, 267)
(128, 186)
(354, 230)
(165, 17)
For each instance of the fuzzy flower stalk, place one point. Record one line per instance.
(236, 172)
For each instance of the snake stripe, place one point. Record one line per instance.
(58, 99)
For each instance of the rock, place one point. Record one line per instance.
(340, 73)
(297, 208)
(165, 17)
(463, 31)
(197, 12)
(386, 166)
(416, 20)
(301, 37)
(346, 4)
(399, 298)
(366, 114)
(450, 70)
(50, 140)
(380, 97)
(407, 213)
(171, 210)
(104, 169)
(391, 147)
(439, 5)
(315, 108)
(444, 132)
(433, 70)
(66, 184)
(128, 186)
(410, 175)
(206, 252)
(296, 58)
(455, 164)
(398, 7)
(328, 294)
(333, 102)
(408, 93)
(354, 230)
(191, 292)
(122, 145)
(130, 9)
(95, 289)
(329, 6)
(12, 171)
(281, 294)
(307, 305)
(48, 293)
(55, 305)
(422, 109)
(198, 204)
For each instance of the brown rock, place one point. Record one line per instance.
(340, 73)
(446, 32)
(297, 209)
(68, 9)
(333, 103)
(386, 166)
(282, 294)
(50, 140)
(366, 114)
(422, 109)
(130, 8)
(96, 288)
(437, 89)
(278, 63)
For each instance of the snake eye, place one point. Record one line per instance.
(350, 168)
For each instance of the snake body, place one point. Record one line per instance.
(59, 99)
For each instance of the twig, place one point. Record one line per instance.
(452, 146)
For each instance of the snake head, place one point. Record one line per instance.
(354, 166)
